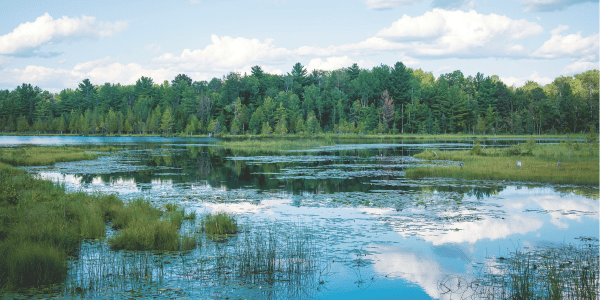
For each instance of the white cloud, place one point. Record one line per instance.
(387, 4)
(551, 5)
(98, 71)
(460, 34)
(225, 53)
(335, 62)
(45, 30)
(519, 82)
(580, 67)
(572, 45)
(331, 63)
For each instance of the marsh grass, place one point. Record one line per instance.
(219, 223)
(540, 165)
(40, 225)
(552, 272)
(40, 156)
(144, 227)
(276, 145)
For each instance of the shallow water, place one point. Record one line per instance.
(373, 233)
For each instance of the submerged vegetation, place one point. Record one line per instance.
(555, 164)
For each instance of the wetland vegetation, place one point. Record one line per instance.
(571, 163)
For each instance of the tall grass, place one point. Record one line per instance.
(560, 272)
(219, 223)
(540, 165)
(40, 225)
(144, 227)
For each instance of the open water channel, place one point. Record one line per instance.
(342, 221)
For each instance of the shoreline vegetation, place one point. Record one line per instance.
(41, 225)
(539, 163)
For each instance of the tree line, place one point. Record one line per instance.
(382, 100)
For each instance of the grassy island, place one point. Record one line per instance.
(539, 163)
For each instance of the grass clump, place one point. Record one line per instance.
(539, 163)
(219, 223)
(144, 227)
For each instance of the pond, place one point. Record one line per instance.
(342, 222)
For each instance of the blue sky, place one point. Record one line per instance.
(56, 44)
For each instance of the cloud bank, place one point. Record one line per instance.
(45, 30)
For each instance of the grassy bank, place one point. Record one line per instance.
(40, 156)
(539, 163)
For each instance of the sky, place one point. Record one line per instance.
(57, 44)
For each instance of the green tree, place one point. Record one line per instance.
(22, 125)
(166, 122)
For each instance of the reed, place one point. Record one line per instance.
(566, 271)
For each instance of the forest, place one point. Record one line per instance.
(383, 100)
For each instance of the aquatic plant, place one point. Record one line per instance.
(143, 229)
(219, 223)
(566, 271)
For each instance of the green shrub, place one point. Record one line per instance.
(219, 223)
